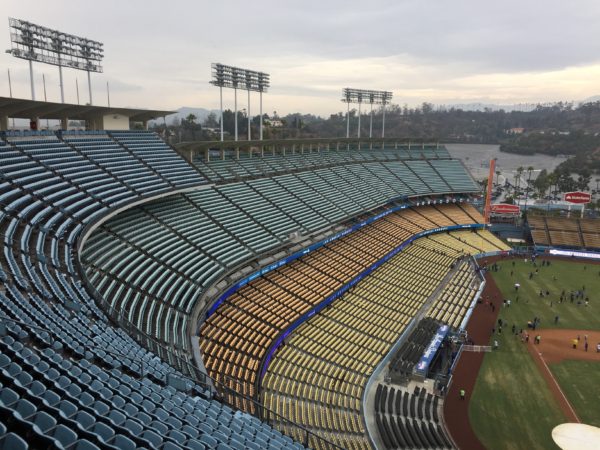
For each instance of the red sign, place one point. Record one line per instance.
(505, 208)
(578, 197)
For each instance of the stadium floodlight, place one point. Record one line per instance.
(360, 96)
(237, 78)
(37, 43)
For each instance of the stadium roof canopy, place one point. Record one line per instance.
(23, 108)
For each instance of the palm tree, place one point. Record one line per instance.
(529, 171)
(552, 180)
(520, 171)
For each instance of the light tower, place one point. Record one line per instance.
(237, 78)
(351, 95)
(37, 43)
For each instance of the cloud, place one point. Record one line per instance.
(158, 55)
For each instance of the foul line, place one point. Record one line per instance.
(539, 355)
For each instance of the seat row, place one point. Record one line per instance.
(454, 301)
(69, 378)
(406, 420)
(321, 371)
(244, 326)
(250, 164)
(561, 231)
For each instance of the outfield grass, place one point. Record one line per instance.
(570, 276)
(511, 406)
(579, 382)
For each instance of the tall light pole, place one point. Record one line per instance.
(9, 83)
(221, 103)
(359, 103)
(249, 133)
(348, 120)
(235, 113)
(383, 120)
(45, 98)
(41, 44)
(351, 95)
(371, 119)
(237, 78)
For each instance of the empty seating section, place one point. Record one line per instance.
(154, 153)
(564, 232)
(55, 400)
(68, 378)
(404, 360)
(560, 231)
(117, 162)
(452, 173)
(223, 168)
(590, 232)
(453, 302)
(429, 176)
(157, 281)
(539, 231)
(263, 211)
(591, 240)
(317, 378)
(460, 215)
(236, 337)
(491, 242)
(565, 238)
(409, 419)
(465, 242)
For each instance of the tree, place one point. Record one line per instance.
(191, 119)
(583, 182)
(520, 171)
(211, 121)
(542, 182)
(553, 181)
(530, 170)
(565, 182)
(427, 108)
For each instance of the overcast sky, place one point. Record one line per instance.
(158, 53)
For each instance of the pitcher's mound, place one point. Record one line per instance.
(576, 436)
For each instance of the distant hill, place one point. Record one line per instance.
(200, 113)
(492, 107)
(594, 98)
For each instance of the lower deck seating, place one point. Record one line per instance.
(467, 242)
(317, 378)
(408, 420)
(68, 377)
(564, 232)
(235, 339)
(459, 293)
(403, 361)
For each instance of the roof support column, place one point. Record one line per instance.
(64, 123)
(3, 123)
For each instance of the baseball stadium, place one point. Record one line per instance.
(266, 294)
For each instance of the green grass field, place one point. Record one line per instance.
(511, 406)
(579, 382)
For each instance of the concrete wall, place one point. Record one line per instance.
(115, 122)
(109, 122)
